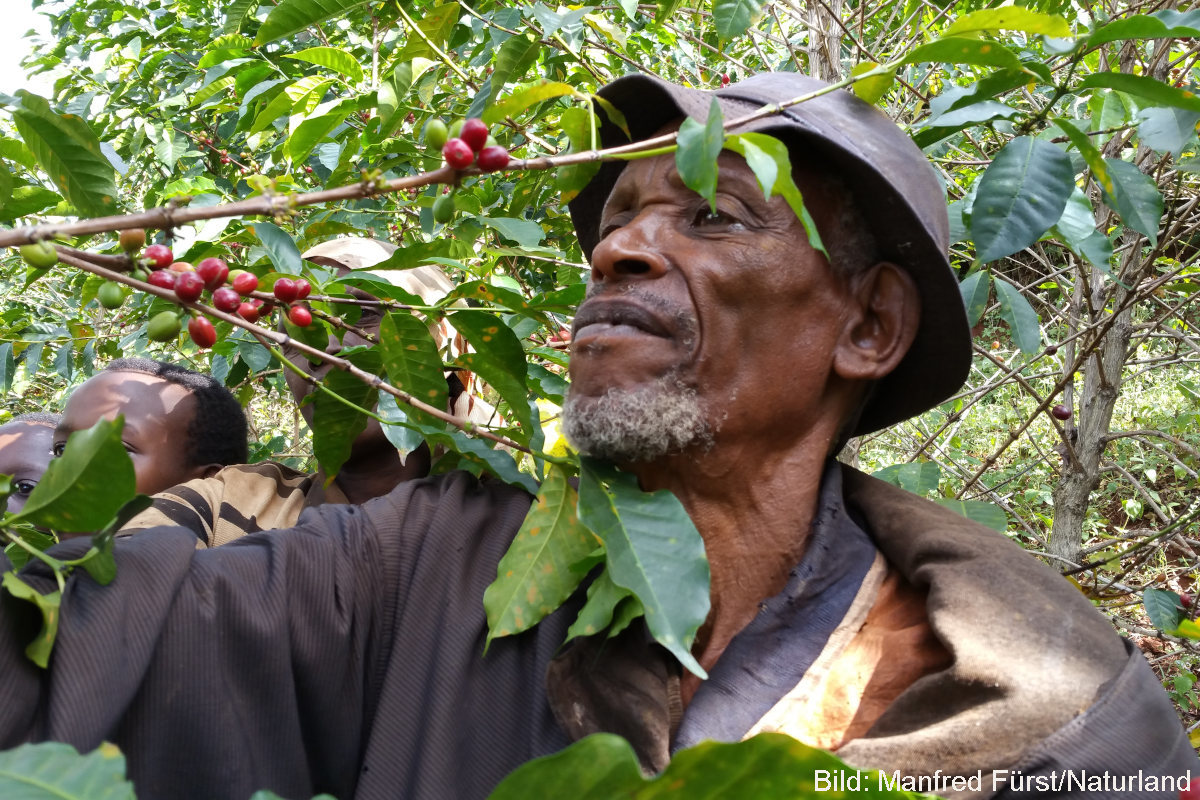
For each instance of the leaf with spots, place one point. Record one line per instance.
(653, 550)
(499, 359)
(603, 599)
(545, 563)
(84, 489)
(411, 359)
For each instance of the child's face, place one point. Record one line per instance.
(25, 452)
(157, 415)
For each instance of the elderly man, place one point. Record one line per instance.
(717, 355)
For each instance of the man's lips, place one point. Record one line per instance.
(615, 318)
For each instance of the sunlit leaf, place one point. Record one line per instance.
(1145, 87)
(871, 90)
(331, 58)
(1010, 18)
(1020, 196)
(964, 50)
(545, 563)
(1164, 24)
(291, 16)
(653, 550)
(517, 102)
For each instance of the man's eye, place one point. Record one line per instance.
(59, 447)
(707, 218)
(24, 487)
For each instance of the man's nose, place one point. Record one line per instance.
(633, 251)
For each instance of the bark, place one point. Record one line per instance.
(824, 39)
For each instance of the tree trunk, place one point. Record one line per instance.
(824, 39)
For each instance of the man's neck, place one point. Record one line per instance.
(755, 513)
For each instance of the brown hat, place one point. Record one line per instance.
(893, 185)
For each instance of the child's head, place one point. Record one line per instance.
(26, 447)
(179, 424)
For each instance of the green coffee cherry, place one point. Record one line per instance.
(163, 327)
(435, 134)
(110, 295)
(455, 128)
(39, 254)
(443, 208)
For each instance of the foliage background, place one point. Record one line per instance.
(197, 98)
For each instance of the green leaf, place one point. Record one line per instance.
(525, 232)
(516, 56)
(653, 550)
(517, 102)
(1165, 24)
(311, 131)
(988, 514)
(975, 289)
(871, 90)
(237, 12)
(769, 160)
(38, 651)
(476, 451)
(1091, 156)
(1188, 629)
(84, 488)
(410, 357)
(56, 771)
(974, 113)
(1135, 197)
(1164, 608)
(603, 598)
(1167, 130)
(1020, 196)
(402, 437)
(731, 18)
(1010, 18)
(292, 16)
(769, 766)
(696, 157)
(8, 367)
(964, 50)
(499, 359)
(545, 563)
(435, 22)
(212, 89)
(1143, 86)
(332, 58)
(335, 425)
(69, 153)
(918, 477)
(1021, 318)
(578, 123)
(281, 250)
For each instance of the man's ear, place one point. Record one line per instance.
(206, 471)
(885, 313)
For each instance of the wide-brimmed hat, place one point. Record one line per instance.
(894, 187)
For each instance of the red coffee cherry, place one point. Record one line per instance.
(474, 132)
(181, 266)
(458, 154)
(159, 255)
(226, 299)
(492, 158)
(724, 79)
(188, 286)
(202, 332)
(1061, 412)
(303, 288)
(162, 278)
(214, 271)
(245, 283)
(248, 311)
(285, 290)
(300, 316)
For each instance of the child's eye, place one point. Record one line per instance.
(24, 487)
(59, 447)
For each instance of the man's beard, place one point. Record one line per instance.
(648, 423)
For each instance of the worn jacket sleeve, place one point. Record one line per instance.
(252, 666)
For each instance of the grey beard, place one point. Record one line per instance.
(643, 425)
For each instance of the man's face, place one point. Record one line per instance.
(720, 325)
(157, 416)
(25, 452)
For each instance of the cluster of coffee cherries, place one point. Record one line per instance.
(231, 291)
(466, 143)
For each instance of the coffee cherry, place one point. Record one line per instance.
(492, 158)
(110, 295)
(245, 283)
(458, 154)
(181, 266)
(456, 128)
(300, 316)
(163, 327)
(39, 254)
(159, 255)
(202, 332)
(443, 209)
(303, 288)
(132, 240)
(474, 133)
(1051, 349)
(285, 290)
(435, 133)
(248, 312)
(214, 271)
(188, 287)
(1061, 412)
(226, 299)
(139, 274)
(163, 278)
(724, 79)
(264, 309)
(308, 170)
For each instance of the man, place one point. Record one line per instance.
(25, 452)
(247, 498)
(179, 424)
(344, 655)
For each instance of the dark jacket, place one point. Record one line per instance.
(345, 656)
